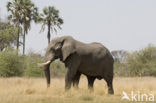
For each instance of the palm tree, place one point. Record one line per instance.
(23, 12)
(15, 8)
(29, 13)
(51, 19)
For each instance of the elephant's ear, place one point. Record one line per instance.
(67, 49)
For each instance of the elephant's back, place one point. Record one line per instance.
(99, 51)
(91, 48)
(96, 60)
(93, 51)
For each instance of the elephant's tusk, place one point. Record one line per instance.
(44, 64)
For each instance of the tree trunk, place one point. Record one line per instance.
(18, 38)
(24, 43)
(48, 35)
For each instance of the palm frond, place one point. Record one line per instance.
(55, 30)
(42, 28)
(51, 18)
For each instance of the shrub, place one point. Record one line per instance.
(138, 63)
(143, 63)
(10, 63)
(31, 67)
(57, 69)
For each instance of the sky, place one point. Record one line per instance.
(118, 24)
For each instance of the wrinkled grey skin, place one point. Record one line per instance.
(92, 60)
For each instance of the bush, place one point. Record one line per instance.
(31, 67)
(10, 63)
(57, 69)
(143, 63)
(119, 69)
(139, 63)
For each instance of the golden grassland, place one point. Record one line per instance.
(33, 90)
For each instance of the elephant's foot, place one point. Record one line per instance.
(110, 91)
(76, 87)
(91, 88)
(67, 87)
(48, 85)
(66, 90)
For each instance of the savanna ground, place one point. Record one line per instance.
(33, 90)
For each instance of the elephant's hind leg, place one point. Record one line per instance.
(76, 80)
(110, 85)
(91, 80)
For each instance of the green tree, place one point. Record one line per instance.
(51, 19)
(8, 34)
(23, 12)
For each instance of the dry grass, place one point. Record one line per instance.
(33, 90)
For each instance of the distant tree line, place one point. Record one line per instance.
(139, 63)
(119, 55)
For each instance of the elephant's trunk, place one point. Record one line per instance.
(47, 74)
(46, 67)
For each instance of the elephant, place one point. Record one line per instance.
(91, 59)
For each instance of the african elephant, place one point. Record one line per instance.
(92, 60)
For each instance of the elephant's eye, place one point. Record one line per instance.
(58, 46)
(52, 49)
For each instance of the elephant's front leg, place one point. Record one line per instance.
(72, 64)
(76, 80)
(69, 79)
